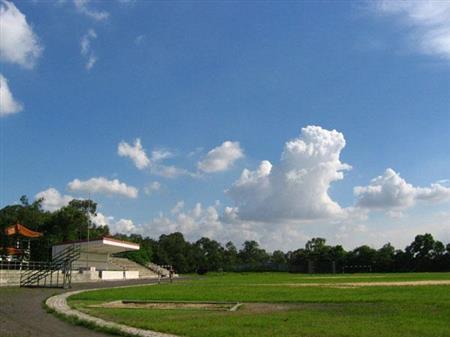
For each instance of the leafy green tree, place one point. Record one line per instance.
(174, 250)
(278, 257)
(384, 258)
(422, 246)
(297, 261)
(231, 258)
(362, 256)
(209, 254)
(315, 245)
(253, 255)
(438, 249)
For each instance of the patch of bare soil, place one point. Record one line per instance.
(166, 305)
(247, 308)
(341, 277)
(263, 308)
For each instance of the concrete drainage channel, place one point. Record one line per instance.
(58, 303)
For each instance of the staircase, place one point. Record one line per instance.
(45, 277)
(125, 264)
(159, 270)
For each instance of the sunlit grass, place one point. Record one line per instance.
(420, 311)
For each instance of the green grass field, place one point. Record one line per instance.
(276, 304)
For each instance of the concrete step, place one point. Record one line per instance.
(127, 264)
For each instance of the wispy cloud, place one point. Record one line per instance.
(139, 39)
(82, 6)
(86, 48)
(154, 164)
(152, 187)
(427, 22)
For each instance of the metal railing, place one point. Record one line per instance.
(22, 265)
(44, 276)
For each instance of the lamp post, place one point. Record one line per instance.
(89, 220)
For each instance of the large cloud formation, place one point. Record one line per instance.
(18, 44)
(283, 204)
(391, 192)
(221, 158)
(296, 188)
(102, 185)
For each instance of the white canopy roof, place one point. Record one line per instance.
(102, 246)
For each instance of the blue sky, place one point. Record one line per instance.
(213, 88)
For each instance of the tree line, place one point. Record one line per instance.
(423, 254)
(72, 222)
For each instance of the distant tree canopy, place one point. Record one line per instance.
(71, 222)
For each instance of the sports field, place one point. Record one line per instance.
(282, 304)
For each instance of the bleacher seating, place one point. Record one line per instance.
(120, 263)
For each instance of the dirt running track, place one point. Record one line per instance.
(22, 314)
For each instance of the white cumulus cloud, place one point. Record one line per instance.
(135, 152)
(221, 158)
(122, 226)
(8, 104)
(391, 192)
(53, 200)
(428, 23)
(296, 188)
(19, 44)
(194, 223)
(102, 185)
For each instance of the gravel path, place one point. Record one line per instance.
(22, 313)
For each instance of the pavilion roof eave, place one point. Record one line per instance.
(19, 229)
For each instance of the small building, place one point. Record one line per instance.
(96, 253)
(96, 261)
